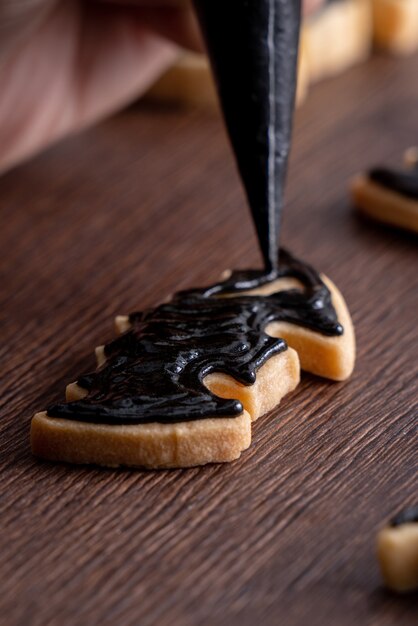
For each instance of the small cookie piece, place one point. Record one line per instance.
(182, 383)
(397, 551)
(337, 37)
(388, 195)
(396, 25)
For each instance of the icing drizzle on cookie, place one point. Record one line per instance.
(155, 372)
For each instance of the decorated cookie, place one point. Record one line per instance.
(397, 549)
(390, 195)
(396, 25)
(182, 383)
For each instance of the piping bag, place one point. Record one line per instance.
(253, 50)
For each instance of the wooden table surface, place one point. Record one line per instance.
(114, 220)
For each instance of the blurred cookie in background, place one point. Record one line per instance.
(397, 552)
(390, 195)
(189, 82)
(396, 25)
(337, 37)
(334, 38)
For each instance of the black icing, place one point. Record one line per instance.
(408, 516)
(155, 371)
(404, 182)
(253, 47)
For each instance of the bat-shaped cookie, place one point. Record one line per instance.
(182, 382)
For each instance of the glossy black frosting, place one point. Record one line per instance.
(253, 47)
(155, 371)
(404, 182)
(408, 516)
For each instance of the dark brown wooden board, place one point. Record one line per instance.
(115, 220)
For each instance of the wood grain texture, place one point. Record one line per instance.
(115, 220)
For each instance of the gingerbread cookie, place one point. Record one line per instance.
(397, 550)
(182, 383)
(396, 25)
(390, 195)
(337, 37)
